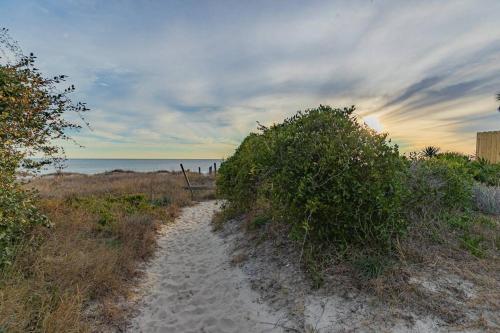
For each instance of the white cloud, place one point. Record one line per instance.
(199, 76)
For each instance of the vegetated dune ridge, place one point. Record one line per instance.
(191, 286)
(272, 266)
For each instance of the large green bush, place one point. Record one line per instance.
(335, 181)
(242, 175)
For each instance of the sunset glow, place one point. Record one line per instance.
(184, 79)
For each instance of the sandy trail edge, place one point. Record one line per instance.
(190, 285)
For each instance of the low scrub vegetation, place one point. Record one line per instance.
(437, 184)
(70, 277)
(481, 170)
(344, 192)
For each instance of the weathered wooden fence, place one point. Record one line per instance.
(192, 187)
(488, 146)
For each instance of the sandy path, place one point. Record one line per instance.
(191, 286)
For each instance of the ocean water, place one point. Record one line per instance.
(92, 166)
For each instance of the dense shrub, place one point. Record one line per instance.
(31, 118)
(18, 214)
(242, 175)
(337, 185)
(454, 156)
(444, 181)
(480, 169)
(484, 172)
(335, 181)
(439, 184)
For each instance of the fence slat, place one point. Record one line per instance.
(488, 146)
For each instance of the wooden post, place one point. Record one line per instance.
(215, 168)
(187, 181)
(210, 170)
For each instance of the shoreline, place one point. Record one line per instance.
(105, 173)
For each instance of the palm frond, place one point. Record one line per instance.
(430, 151)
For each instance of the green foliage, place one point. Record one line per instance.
(335, 181)
(470, 229)
(439, 184)
(242, 175)
(485, 221)
(110, 209)
(371, 266)
(454, 156)
(473, 244)
(444, 181)
(458, 221)
(18, 214)
(480, 169)
(162, 202)
(485, 172)
(260, 220)
(339, 185)
(31, 109)
(31, 117)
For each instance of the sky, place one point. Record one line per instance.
(190, 79)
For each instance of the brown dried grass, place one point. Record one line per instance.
(71, 277)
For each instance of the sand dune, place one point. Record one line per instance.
(191, 286)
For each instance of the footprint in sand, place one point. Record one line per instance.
(193, 286)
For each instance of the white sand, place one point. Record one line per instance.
(191, 286)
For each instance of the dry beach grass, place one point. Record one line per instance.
(70, 278)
